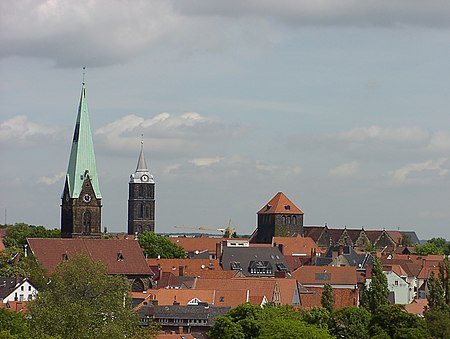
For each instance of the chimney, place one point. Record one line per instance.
(280, 274)
(181, 270)
(334, 254)
(218, 250)
(280, 247)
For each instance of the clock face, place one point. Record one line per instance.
(87, 198)
(144, 178)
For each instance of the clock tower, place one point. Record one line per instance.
(81, 199)
(141, 198)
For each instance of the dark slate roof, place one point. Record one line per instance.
(360, 260)
(313, 232)
(412, 236)
(323, 261)
(7, 285)
(178, 312)
(256, 259)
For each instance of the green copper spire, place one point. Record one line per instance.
(82, 157)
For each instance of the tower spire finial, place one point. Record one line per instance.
(84, 73)
(142, 139)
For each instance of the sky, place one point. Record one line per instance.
(344, 106)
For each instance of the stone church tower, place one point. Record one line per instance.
(141, 198)
(278, 218)
(81, 199)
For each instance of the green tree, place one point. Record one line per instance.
(327, 299)
(377, 294)
(14, 264)
(154, 246)
(438, 322)
(17, 234)
(351, 322)
(436, 293)
(281, 328)
(318, 316)
(394, 321)
(82, 301)
(12, 324)
(251, 321)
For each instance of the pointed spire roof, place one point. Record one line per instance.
(142, 174)
(280, 204)
(141, 165)
(82, 156)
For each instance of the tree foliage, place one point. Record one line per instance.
(377, 294)
(12, 324)
(154, 246)
(394, 322)
(13, 264)
(251, 321)
(351, 322)
(82, 301)
(327, 299)
(438, 322)
(17, 234)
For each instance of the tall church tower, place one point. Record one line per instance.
(141, 198)
(81, 199)
(278, 218)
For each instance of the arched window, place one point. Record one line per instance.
(294, 219)
(283, 218)
(87, 222)
(289, 220)
(141, 191)
(141, 211)
(148, 212)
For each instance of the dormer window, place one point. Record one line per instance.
(120, 256)
(65, 257)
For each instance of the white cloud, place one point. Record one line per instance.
(57, 178)
(346, 169)
(440, 141)
(186, 134)
(402, 174)
(205, 162)
(115, 31)
(377, 133)
(20, 129)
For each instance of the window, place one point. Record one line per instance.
(87, 222)
(29, 288)
(22, 288)
(323, 276)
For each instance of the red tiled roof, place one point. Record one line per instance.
(417, 307)
(163, 335)
(216, 297)
(15, 306)
(373, 235)
(297, 246)
(343, 297)
(49, 252)
(280, 204)
(192, 244)
(255, 287)
(320, 275)
(396, 236)
(204, 268)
